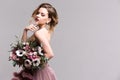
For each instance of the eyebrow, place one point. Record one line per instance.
(42, 12)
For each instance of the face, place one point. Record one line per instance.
(41, 17)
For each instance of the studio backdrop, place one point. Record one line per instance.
(86, 42)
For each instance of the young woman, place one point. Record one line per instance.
(46, 18)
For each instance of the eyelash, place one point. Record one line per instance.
(41, 14)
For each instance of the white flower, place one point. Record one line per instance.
(35, 53)
(23, 43)
(36, 62)
(39, 50)
(27, 43)
(20, 53)
(27, 63)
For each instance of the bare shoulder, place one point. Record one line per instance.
(39, 32)
(42, 34)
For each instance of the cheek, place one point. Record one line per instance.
(44, 20)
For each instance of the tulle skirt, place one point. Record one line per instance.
(46, 73)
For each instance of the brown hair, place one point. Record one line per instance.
(52, 13)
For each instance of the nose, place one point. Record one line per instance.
(36, 16)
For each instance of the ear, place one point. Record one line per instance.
(49, 20)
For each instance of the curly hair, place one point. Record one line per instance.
(52, 13)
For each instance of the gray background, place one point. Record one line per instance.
(86, 42)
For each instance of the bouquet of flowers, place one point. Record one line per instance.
(29, 55)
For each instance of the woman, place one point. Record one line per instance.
(46, 18)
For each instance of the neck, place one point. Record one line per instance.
(42, 26)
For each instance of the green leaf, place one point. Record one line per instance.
(14, 63)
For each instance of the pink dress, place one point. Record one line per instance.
(47, 73)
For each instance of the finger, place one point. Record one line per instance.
(32, 29)
(35, 28)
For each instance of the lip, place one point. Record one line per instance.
(36, 19)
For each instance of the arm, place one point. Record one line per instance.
(28, 28)
(24, 36)
(40, 35)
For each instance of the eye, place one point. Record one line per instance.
(42, 14)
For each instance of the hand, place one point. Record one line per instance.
(31, 28)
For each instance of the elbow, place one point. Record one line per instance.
(51, 56)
